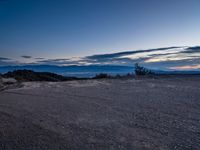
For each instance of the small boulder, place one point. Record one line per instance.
(8, 80)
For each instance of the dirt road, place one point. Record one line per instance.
(141, 114)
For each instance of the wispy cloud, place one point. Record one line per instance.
(39, 58)
(61, 62)
(193, 49)
(26, 56)
(7, 61)
(4, 59)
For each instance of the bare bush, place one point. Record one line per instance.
(139, 70)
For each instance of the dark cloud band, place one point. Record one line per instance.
(26, 56)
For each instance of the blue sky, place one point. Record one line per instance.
(69, 29)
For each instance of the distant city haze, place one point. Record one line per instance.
(159, 34)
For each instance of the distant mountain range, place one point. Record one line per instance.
(85, 71)
(176, 72)
(73, 71)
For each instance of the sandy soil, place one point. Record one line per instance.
(133, 114)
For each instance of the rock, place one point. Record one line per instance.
(8, 80)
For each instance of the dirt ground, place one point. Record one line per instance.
(114, 114)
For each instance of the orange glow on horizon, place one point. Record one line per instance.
(186, 67)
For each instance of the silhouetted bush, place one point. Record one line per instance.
(117, 76)
(102, 76)
(139, 70)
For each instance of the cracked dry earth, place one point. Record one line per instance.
(133, 114)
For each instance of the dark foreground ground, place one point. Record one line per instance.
(141, 114)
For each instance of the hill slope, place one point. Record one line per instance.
(28, 75)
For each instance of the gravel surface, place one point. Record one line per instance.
(133, 114)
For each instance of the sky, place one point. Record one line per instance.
(42, 30)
